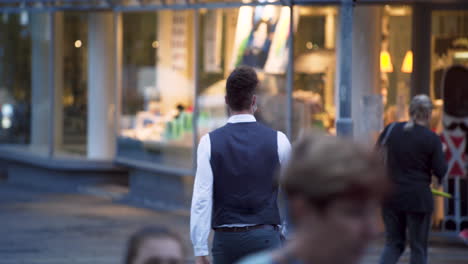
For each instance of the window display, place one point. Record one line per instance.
(449, 48)
(396, 62)
(158, 97)
(314, 52)
(253, 36)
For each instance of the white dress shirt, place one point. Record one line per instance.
(202, 199)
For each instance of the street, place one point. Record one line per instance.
(45, 227)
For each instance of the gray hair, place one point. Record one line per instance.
(420, 110)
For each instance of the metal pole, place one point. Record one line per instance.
(457, 200)
(290, 75)
(421, 46)
(52, 86)
(118, 31)
(196, 73)
(344, 122)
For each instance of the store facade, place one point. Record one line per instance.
(129, 87)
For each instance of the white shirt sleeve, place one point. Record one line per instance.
(202, 199)
(284, 148)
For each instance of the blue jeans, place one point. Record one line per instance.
(396, 223)
(230, 247)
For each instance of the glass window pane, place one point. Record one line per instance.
(253, 36)
(158, 88)
(449, 48)
(72, 87)
(395, 49)
(217, 30)
(25, 81)
(315, 64)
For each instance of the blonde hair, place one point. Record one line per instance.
(323, 167)
(420, 110)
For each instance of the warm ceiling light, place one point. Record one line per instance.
(78, 44)
(385, 62)
(407, 65)
(155, 44)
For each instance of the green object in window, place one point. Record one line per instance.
(169, 131)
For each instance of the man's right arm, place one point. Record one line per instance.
(202, 199)
(439, 164)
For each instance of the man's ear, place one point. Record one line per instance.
(254, 100)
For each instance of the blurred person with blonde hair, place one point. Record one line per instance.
(413, 155)
(334, 189)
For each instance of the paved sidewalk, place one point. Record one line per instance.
(57, 228)
(52, 228)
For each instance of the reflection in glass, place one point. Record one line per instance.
(75, 84)
(395, 79)
(157, 101)
(253, 36)
(24, 81)
(449, 48)
(314, 50)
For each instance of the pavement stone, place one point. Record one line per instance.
(38, 227)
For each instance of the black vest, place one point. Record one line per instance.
(244, 160)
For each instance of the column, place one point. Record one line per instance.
(330, 43)
(366, 72)
(421, 46)
(101, 83)
(344, 121)
(58, 80)
(41, 34)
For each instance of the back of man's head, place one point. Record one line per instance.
(240, 88)
(323, 167)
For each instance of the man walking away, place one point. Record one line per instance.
(234, 191)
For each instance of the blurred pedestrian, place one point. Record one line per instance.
(154, 245)
(334, 189)
(414, 154)
(234, 192)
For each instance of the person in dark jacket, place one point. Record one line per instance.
(414, 154)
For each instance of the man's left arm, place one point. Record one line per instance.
(284, 152)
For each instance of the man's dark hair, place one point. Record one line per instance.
(137, 240)
(240, 88)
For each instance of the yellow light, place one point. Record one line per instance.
(439, 102)
(385, 62)
(78, 44)
(155, 44)
(309, 45)
(407, 65)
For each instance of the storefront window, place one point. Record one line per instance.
(396, 59)
(253, 36)
(314, 52)
(158, 88)
(73, 85)
(217, 31)
(24, 81)
(449, 48)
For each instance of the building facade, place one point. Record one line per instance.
(96, 90)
